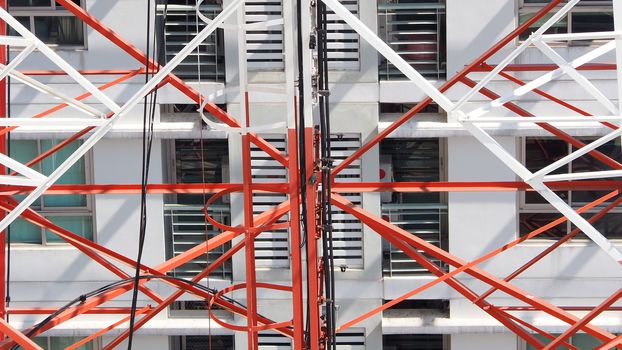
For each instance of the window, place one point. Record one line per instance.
(417, 31)
(178, 21)
(60, 343)
(586, 16)
(536, 211)
(580, 340)
(424, 213)
(50, 22)
(414, 342)
(196, 161)
(72, 212)
(200, 342)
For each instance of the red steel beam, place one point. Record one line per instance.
(553, 98)
(61, 106)
(447, 85)
(585, 320)
(499, 315)
(558, 243)
(173, 297)
(103, 331)
(3, 171)
(340, 187)
(543, 67)
(548, 127)
(296, 264)
(390, 232)
(174, 80)
(18, 336)
(486, 257)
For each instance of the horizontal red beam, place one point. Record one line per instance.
(499, 186)
(50, 310)
(209, 188)
(566, 308)
(83, 72)
(544, 67)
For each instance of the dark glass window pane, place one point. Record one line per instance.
(531, 221)
(583, 22)
(23, 231)
(540, 152)
(80, 225)
(561, 27)
(609, 225)
(30, 3)
(589, 163)
(25, 21)
(199, 342)
(60, 30)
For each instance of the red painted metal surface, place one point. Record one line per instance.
(311, 272)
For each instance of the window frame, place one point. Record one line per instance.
(88, 210)
(53, 10)
(96, 343)
(582, 7)
(547, 208)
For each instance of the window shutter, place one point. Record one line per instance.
(271, 247)
(347, 230)
(264, 46)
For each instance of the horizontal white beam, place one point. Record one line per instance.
(580, 36)
(18, 181)
(579, 119)
(51, 121)
(21, 168)
(584, 175)
(15, 41)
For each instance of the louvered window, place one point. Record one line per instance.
(271, 247)
(347, 230)
(413, 342)
(416, 31)
(343, 41)
(264, 46)
(181, 25)
(422, 214)
(273, 341)
(352, 339)
(200, 342)
(187, 226)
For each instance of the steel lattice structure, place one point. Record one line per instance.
(96, 123)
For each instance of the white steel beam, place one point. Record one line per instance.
(580, 36)
(19, 181)
(510, 58)
(61, 63)
(542, 80)
(390, 54)
(70, 101)
(16, 61)
(100, 131)
(578, 153)
(21, 168)
(583, 175)
(578, 77)
(537, 184)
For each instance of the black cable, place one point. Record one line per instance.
(301, 153)
(7, 298)
(112, 285)
(327, 163)
(147, 137)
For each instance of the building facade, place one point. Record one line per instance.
(438, 38)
